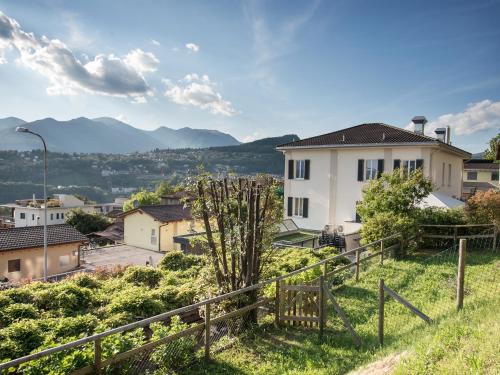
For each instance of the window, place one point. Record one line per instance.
(409, 166)
(22, 215)
(472, 176)
(32, 216)
(494, 176)
(153, 237)
(442, 174)
(57, 216)
(64, 260)
(14, 265)
(371, 170)
(449, 174)
(300, 168)
(51, 216)
(298, 207)
(62, 216)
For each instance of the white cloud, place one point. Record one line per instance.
(198, 92)
(252, 137)
(121, 117)
(104, 74)
(193, 47)
(480, 116)
(142, 61)
(155, 42)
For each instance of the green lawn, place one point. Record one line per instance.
(465, 342)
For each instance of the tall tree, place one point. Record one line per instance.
(86, 222)
(241, 216)
(491, 152)
(143, 198)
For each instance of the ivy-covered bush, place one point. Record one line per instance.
(66, 296)
(136, 301)
(143, 275)
(17, 311)
(178, 261)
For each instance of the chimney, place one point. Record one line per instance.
(441, 134)
(419, 124)
(448, 135)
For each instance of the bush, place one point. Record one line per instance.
(136, 301)
(17, 311)
(85, 280)
(484, 208)
(20, 339)
(143, 275)
(65, 296)
(21, 295)
(5, 300)
(178, 261)
(73, 326)
(441, 216)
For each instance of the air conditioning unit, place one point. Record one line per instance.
(339, 229)
(328, 228)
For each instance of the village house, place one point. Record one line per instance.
(480, 175)
(324, 175)
(22, 253)
(154, 227)
(30, 212)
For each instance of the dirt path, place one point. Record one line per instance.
(380, 367)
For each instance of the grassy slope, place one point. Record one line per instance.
(436, 348)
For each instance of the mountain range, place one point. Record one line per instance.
(105, 135)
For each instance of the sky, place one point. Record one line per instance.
(255, 69)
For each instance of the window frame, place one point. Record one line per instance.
(298, 207)
(473, 173)
(371, 173)
(494, 176)
(9, 265)
(22, 215)
(300, 169)
(154, 237)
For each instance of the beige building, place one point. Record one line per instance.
(154, 227)
(325, 175)
(480, 175)
(22, 256)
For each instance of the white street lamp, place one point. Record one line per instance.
(21, 129)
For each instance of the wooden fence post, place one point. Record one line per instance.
(207, 331)
(357, 264)
(381, 301)
(382, 252)
(321, 303)
(97, 356)
(277, 304)
(455, 235)
(461, 272)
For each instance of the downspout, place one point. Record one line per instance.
(159, 235)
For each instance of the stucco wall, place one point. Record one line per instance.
(137, 230)
(32, 261)
(451, 187)
(177, 228)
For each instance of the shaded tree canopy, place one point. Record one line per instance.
(86, 222)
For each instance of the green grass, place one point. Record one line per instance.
(454, 342)
(296, 237)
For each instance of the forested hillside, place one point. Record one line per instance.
(95, 174)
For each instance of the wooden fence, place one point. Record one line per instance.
(457, 232)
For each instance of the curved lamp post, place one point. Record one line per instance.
(20, 129)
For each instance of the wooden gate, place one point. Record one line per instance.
(299, 304)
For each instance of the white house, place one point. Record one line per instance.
(324, 175)
(30, 212)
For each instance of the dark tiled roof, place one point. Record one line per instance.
(478, 185)
(112, 232)
(165, 212)
(481, 164)
(25, 237)
(366, 134)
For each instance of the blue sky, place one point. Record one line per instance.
(255, 68)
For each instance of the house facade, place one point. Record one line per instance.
(22, 253)
(30, 212)
(480, 175)
(325, 175)
(154, 227)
